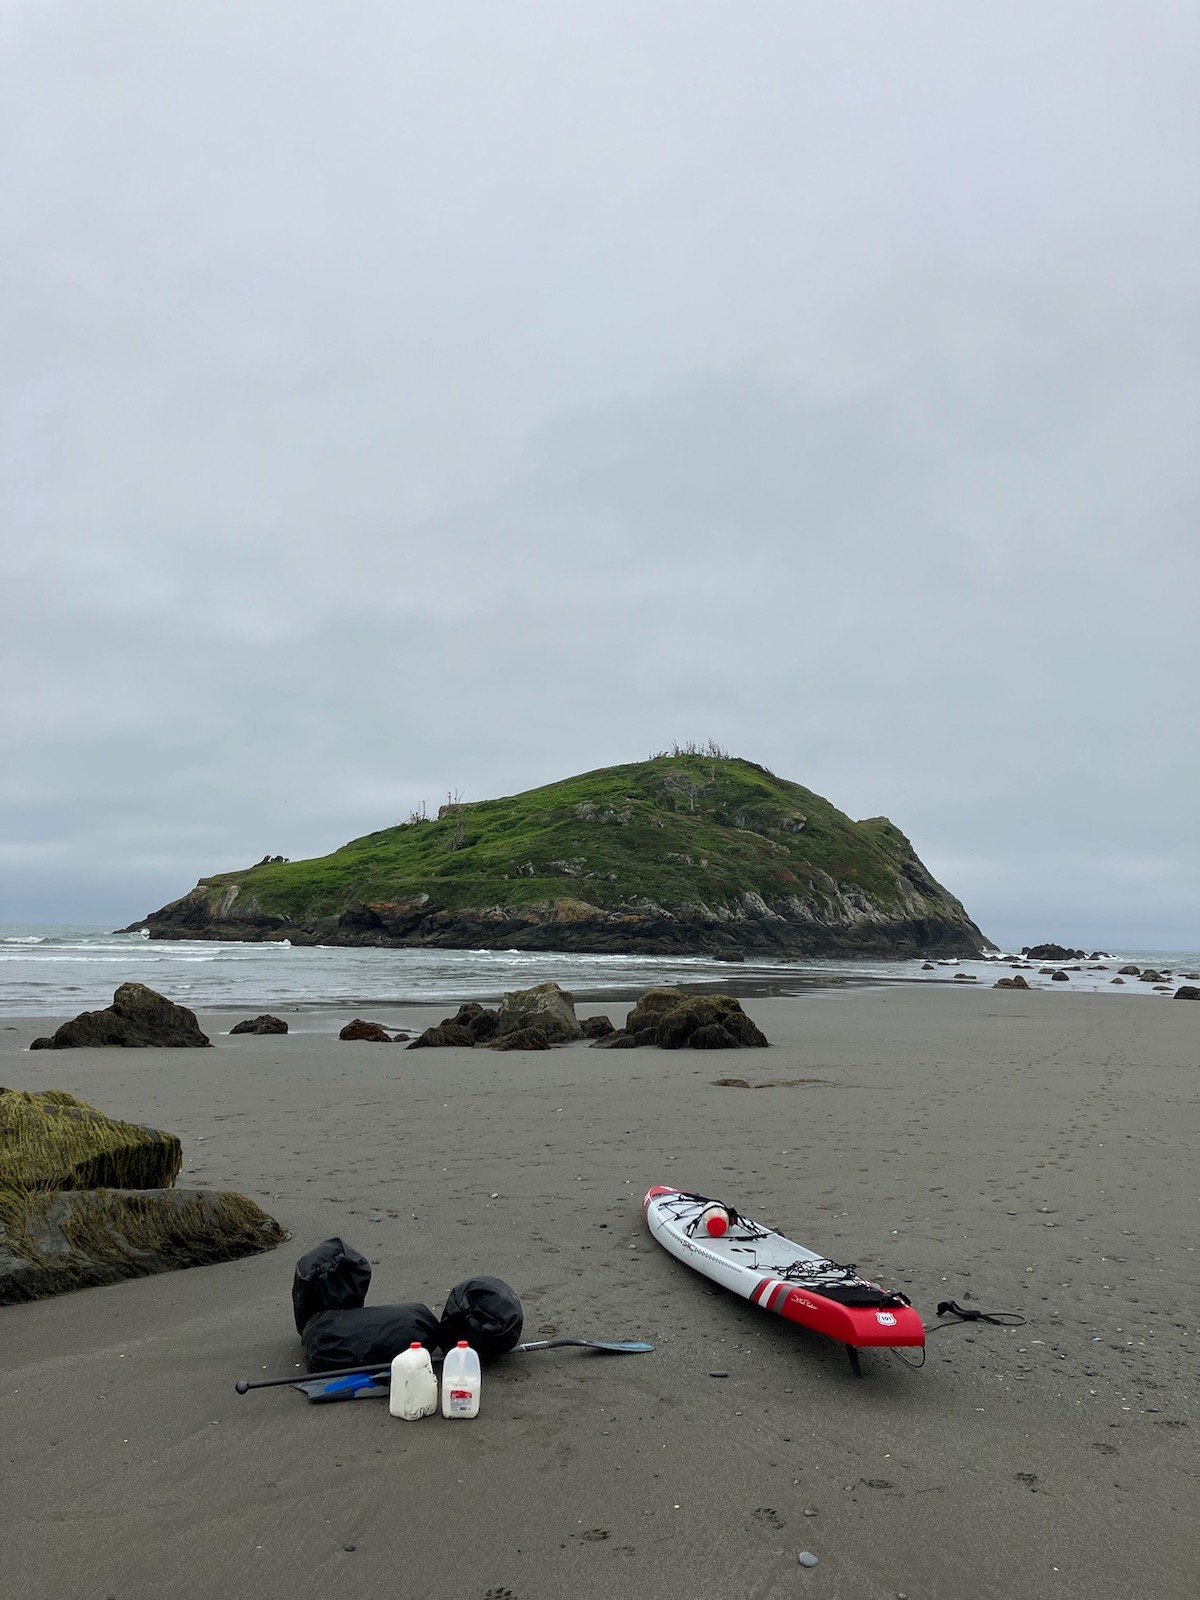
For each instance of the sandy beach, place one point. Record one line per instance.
(1014, 1151)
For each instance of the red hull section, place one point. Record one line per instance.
(861, 1327)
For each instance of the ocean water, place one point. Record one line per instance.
(59, 971)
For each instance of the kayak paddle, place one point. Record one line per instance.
(610, 1346)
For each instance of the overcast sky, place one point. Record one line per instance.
(398, 399)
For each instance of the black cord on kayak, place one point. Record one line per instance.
(999, 1319)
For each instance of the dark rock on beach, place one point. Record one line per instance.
(708, 1022)
(1060, 977)
(520, 1039)
(480, 1022)
(1010, 983)
(673, 1020)
(371, 1032)
(138, 1018)
(1187, 991)
(596, 1027)
(1052, 952)
(263, 1024)
(651, 1008)
(545, 1007)
(447, 1035)
(622, 1039)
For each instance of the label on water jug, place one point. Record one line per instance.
(460, 1401)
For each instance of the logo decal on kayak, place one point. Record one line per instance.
(886, 1318)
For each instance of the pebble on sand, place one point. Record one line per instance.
(806, 1558)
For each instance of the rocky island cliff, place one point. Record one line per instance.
(679, 854)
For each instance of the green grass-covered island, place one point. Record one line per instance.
(684, 853)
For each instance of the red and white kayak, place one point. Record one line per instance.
(779, 1275)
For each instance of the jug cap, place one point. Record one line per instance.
(463, 1345)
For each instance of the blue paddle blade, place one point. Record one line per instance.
(360, 1386)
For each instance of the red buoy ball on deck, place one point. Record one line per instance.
(716, 1222)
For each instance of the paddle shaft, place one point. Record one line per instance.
(619, 1347)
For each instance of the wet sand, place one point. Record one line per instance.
(1027, 1152)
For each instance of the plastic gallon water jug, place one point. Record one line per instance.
(714, 1220)
(461, 1381)
(414, 1388)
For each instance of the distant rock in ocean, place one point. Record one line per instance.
(687, 853)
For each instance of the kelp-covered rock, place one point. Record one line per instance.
(651, 1008)
(708, 1022)
(546, 1007)
(138, 1018)
(54, 1141)
(672, 1020)
(77, 1238)
(263, 1024)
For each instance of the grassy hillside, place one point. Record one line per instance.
(680, 829)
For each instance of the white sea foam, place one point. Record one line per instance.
(59, 971)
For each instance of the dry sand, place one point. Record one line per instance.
(1032, 1152)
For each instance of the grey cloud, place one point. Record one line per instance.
(445, 400)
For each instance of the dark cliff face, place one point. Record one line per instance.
(569, 926)
(670, 856)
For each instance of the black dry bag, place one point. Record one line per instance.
(486, 1313)
(331, 1277)
(366, 1337)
